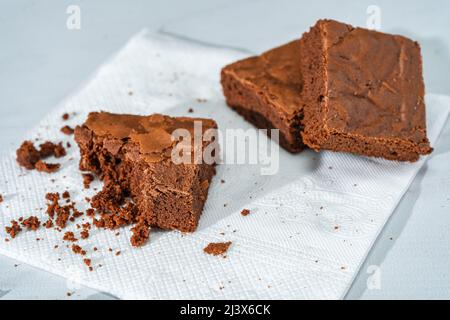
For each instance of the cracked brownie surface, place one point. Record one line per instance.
(142, 185)
(363, 92)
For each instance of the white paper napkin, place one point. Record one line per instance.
(311, 225)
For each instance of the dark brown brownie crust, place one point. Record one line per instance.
(265, 90)
(133, 152)
(363, 92)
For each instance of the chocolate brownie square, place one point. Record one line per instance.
(133, 155)
(265, 90)
(363, 92)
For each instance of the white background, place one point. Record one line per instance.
(41, 62)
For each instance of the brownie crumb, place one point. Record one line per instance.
(1, 198)
(88, 263)
(31, 158)
(66, 195)
(90, 212)
(75, 212)
(78, 250)
(69, 236)
(87, 179)
(115, 210)
(67, 130)
(65, 116)
(245, 212)
(141, 233)
(31, 223)
(42, 166)
(118, 253)
(53, 205)
(59, 151)
(84, 234)
(48, 149)
(63, 213)
(27, 155)
(14, 229)
(190, 110)
(217, 248)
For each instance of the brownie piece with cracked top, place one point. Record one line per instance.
(132, 155)
(266, 91)
(363, 92)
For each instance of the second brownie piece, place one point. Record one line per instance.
(363, 92)
(265, 90)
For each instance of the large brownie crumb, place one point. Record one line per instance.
(62, 213)
(49, 148)
(84, 234)
(31, 158)
(48, 224)
(31, 223)
(115, 211)
(14, 229)
(87, 179)
(245, 212)
(42, 166)
(217, 248)
(78, 250)
(67, 130)
(69, 236)
(52, 206)
(46, 149)
(141, 233)
(28, 155)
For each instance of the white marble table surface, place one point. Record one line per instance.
(42, 61)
